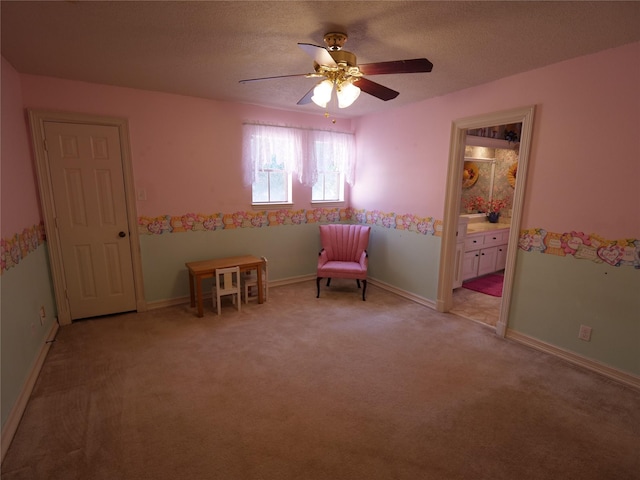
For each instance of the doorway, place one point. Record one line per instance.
(85, 183)
(488, 185)
(448, 252)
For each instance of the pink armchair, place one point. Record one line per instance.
(343, 254)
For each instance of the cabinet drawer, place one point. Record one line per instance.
(473, 242)
(504, 236)
(494, 238)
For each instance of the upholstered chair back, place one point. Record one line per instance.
(344, 243)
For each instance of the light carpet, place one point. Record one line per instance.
(304, 388)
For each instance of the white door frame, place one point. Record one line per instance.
(453, 193)
(37, 119)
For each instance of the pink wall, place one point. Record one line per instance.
(402, 160)
(584, 164)
(20, 207)
(583, 169)
(186, 151)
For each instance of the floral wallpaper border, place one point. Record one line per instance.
(622, 252)
(15, 249)
(218, 221)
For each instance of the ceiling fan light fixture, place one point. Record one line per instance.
(322, 93)
(340, 68)
(347, 93)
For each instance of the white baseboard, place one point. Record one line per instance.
(602, 369)
(172, 302)
(291, 280)
(303, 278)
(403, 293)
(13, 420)
(182, 300)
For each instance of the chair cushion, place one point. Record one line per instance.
(342, 270)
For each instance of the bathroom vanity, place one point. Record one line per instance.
(481, 248)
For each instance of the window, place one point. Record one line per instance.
(329, 186)
(272, 184)
(270, 156)
(331, 163)
(323, 160)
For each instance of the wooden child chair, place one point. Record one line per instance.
(250, 283)
(227, 283)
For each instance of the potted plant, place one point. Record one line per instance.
(494, 206)
(474, 204)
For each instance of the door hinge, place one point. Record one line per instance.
(46, 147)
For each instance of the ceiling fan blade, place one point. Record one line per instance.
(399, 66)
(320, 54)
(278, 76)
(307, 97)
(375, 89)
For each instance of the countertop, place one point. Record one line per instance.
(477, 227)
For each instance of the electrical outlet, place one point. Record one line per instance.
(584, 333)
(43, 315)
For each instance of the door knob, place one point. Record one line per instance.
(122, 234)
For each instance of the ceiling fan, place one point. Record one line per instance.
(339, 69)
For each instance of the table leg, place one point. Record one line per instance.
(199, 295)
(260, 287)
(192, 297)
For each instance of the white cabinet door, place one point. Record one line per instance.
(501, 257)
(487, 262)
(483, 253)
(470, 264)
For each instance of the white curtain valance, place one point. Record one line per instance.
(261, 144)
(329, 151)
(300, 151)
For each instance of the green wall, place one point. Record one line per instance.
(406, 260)
(24, 289)
(554, 295)
(292, 251)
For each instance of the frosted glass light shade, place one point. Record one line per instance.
(322, 93)
(347, 94)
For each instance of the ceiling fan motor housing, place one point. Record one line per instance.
(335, 41)
(344, 57)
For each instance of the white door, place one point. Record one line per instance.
(86, 172)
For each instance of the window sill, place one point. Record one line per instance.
(337, 203)
(271, 206)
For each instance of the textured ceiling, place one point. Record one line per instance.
(204, 48)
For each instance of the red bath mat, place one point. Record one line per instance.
(489, 285)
